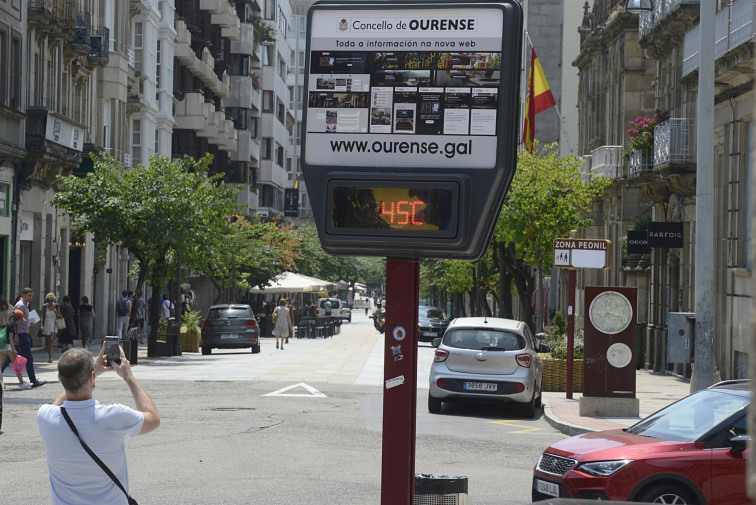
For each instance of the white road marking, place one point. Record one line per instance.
(313, 393)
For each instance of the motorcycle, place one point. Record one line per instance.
(379, 319)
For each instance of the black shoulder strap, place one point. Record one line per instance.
(97, 460)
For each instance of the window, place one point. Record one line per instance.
(281, 21)
(4, 63)
(265, 149)
(138, 44)
(291, 97)
(279, 155)
(281, 113)
(239, 64)
(4, 195)
(240, 117)
(750, 180)
(15, 74)
(157, 141)
(136, 132)
(302, 20)
(268, 55)
(299, 132)
(157, 74)
(270, 9)
(282, 70)
(253, 127)
(267, 101)
(301, 62)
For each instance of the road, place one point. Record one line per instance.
(302, 425)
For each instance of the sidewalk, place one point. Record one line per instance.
(654, 392)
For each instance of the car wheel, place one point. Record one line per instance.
(255, 348)
(206, 349)
(666, 493)
(529, 409)
(434, 405)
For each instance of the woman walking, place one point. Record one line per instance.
(50, 313)
(67, 334)
(86, 321)
(9, 349)
(282, 327)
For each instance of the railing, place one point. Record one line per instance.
(131, 55)
(606, 161)
(674, 141)
(734, 26)
(647, 20)
(585, 169)
(99, 52)
(82, 30)
(639, 162)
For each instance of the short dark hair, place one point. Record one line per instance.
(66, 299)
(74, 368)
(84, 299)
(27, 290)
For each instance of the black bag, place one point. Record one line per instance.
(97, 460)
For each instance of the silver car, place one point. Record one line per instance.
(487, 359)
(230, 327)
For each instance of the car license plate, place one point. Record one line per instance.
(229, 336)
(548, 488)
(480, 386)
(429, 334)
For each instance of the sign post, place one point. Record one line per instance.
(574, 253)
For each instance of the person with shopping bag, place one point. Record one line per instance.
(8, 346)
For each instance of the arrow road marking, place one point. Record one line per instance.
(513, 424)
(313, 393)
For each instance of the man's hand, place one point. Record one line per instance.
(99, 364)
(124, 369)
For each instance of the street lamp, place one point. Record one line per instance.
(639, 5)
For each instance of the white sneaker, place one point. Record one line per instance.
(25, 385)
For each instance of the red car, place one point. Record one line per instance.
(691, 452)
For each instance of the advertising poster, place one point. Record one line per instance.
(418, 83)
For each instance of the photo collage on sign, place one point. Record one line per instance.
(426, 93)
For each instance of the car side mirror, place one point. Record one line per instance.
(436, 342)
(739, 444)
(543, 348)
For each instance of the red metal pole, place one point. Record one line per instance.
(571, 330)
(400, 382)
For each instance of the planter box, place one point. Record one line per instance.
(555, 375)
(190, 342)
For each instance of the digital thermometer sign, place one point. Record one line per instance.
(386, 209)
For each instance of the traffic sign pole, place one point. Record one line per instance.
(400, 382)
(571, 332)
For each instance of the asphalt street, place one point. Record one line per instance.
(302, 425)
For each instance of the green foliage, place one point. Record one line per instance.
(640, 222)
(556, 339)
(162, 325)
(641, 132)
(190, 320)
(262, 32)
(560, 323)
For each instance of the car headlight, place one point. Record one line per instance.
(603, 468)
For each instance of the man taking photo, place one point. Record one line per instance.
(75, 477)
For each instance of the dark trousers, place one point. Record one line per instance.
(24, 349)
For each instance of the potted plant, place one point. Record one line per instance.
(641, 133)
(555, 362)
(190, 331)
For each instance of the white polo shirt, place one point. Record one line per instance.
(74, 476)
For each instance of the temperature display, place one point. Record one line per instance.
(422, 207)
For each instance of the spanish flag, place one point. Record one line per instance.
(539, 99)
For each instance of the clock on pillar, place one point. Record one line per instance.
(609, 348)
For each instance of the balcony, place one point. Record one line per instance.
(56, 18)
(606, 161)
(190, 111)
(663, 9)
(639, 163)
(99, 52)
(81, 43)
(675, 142)
(54, 143)
(142, 6)
(203, 68)
(733, 29)
(237, 172)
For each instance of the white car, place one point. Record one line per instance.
(487, 359)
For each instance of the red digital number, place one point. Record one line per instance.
(402, 212)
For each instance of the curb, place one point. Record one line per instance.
(565, 427)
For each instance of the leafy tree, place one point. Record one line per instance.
(547, 199)
(152, 210)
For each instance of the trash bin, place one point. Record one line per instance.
(440, 489)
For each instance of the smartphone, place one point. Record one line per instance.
(112, 351)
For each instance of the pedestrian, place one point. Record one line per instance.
(67, 335)
(123, 313)
(166, 308)
(281, 328)
(23, 347)
(76, 420)
(9, 349)
(86, 321)
(141, 317)
(367, 306)
(291, 319)
(5, 311)
(50, 313)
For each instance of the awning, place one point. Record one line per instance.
(290, 282)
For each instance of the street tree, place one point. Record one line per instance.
(152, 210)
(547, 199)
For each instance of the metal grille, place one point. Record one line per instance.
(555, 465)
(441, 499)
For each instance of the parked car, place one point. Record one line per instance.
(691, 452)
(431, 323)
(487, 359)
(230, 327)
(346, 312)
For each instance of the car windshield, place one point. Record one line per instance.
(484, 339)
(432, 313)
(227, 313)
(692, 417)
